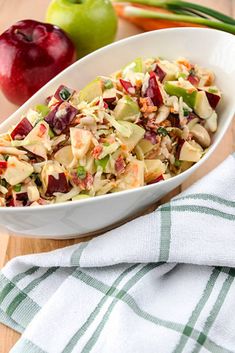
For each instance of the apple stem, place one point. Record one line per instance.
(23, 35)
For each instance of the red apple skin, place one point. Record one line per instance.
(57, 185)
(153, 90)
(21, 130)
(31, 53)
(213, 99)
(160, 73)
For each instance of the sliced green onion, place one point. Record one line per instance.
(182, 75)
(212, 90)
(17, 187)
(64, 94)
(162, 131)
(177, 163)
(81, 172)
(108, 84)
(186, 112)
(102, 162)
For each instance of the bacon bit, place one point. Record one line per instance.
(97, 151)
(124, 148)
(3, 166)
(138, 84)
(156, 180)
(194, 80)
(42, 201)
(146, 106)
(15, 203)
(165, 123)
(84, 184)
(185, 63)
(42, 130)
(120, 165)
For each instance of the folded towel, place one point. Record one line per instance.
(159, 284)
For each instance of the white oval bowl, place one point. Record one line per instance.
(206, 47)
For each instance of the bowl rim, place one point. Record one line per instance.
(141, 188)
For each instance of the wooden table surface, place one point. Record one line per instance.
(10, 246)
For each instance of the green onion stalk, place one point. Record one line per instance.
(178, 5)
(136, 12)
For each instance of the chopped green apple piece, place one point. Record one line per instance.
(137, 133)
(17, 171)
(91, 91)
(153, 169)
(135, 66)
(182, 89)
(190, 152)
(133, 177)
(126, 109)
(80, 197)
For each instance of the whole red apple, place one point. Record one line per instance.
(31, 53)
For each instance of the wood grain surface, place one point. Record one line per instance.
(10, 246)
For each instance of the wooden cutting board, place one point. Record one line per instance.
(14, 10)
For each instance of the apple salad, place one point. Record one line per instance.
(146, 123)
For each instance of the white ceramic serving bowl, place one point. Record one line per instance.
(209, 48)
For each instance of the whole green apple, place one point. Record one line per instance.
(90, 24)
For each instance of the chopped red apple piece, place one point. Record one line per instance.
(109, 95)
(54, 179)
(3, 166)
(63, 93)
(154, 181)
(127, 85)
(17, 171)
(202, 107)
(161, 74)
(213, 95)
(21, 130)
(61, 116)
(154, 168)
(38, 140)
(194, 80)
(153, 91)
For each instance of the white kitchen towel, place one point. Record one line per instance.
(163, 283)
